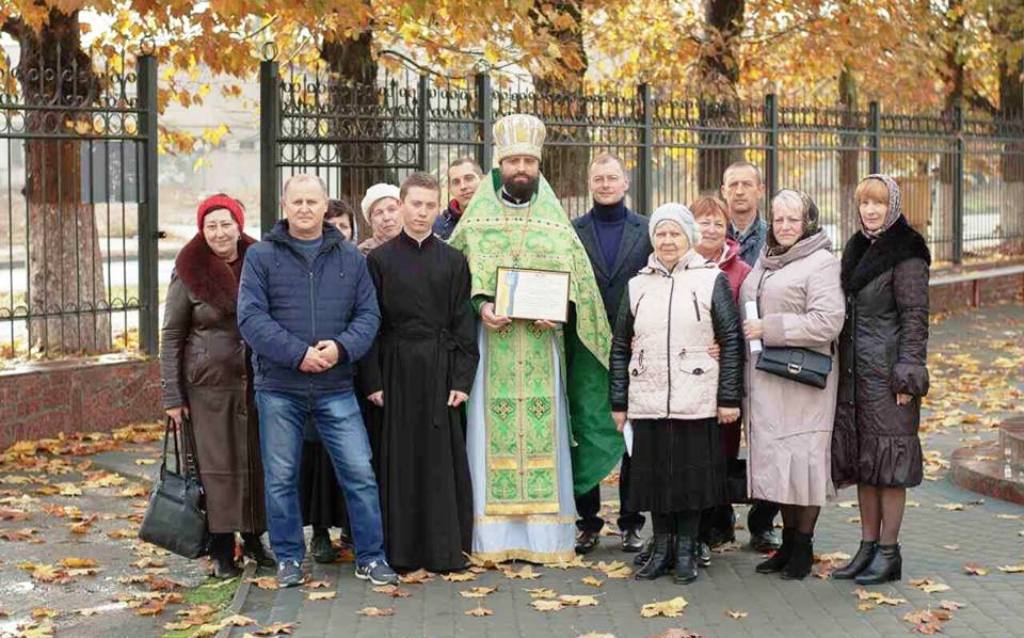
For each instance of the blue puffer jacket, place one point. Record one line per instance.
(286, 305)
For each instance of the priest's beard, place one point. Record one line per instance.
(521, 191)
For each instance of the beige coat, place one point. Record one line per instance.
(672, 376)
(789, 425)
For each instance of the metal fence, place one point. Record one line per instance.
(963, 178)
(78, 206)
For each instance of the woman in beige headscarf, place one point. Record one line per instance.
(795, 284)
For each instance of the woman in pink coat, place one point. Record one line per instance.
(789, 425)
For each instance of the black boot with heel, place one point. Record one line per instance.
(660, 559)
(686, 560)
(886, 566)
(858, 563)
(801, 558)
(777, 562)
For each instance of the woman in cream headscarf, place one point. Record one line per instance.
(676, 394)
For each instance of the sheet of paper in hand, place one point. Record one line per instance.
(532, 294)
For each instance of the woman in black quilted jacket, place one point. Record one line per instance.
(883, 375)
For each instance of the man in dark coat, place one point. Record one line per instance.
(464, 177)
(743, 191)
(420, 372)
(618, 246)
(308, 310)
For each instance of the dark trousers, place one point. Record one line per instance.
(761, 517)
(588, 506)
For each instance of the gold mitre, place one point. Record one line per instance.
(518, 134)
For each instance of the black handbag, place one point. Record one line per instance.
(736, 480)
(797, 364)
(176, 516)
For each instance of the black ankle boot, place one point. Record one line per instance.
(801, 558)
(686, 560)
(781, 556)
(858, 563)
(886, 565)
(222, 555)
(252, 547)
(645, 553)
(660, 559)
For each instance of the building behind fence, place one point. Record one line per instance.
(78, 259)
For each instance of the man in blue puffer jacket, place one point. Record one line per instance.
(308, 310)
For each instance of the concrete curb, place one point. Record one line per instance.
(238, 600)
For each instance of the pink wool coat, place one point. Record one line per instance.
(789, 425)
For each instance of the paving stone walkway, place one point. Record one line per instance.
(937, 542)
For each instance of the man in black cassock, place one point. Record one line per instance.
(420, 372)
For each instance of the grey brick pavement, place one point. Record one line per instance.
(775, 608)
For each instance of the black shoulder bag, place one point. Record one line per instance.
(176, 517)
(802, 365)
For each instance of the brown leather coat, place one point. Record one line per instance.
(203, 365)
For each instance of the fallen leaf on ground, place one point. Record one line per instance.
(847, 504)
(834, 557)
(575, 562)
(8, 514)
(726, 548)
(678, 633)
(376, 612)
(735, 614)
(952, 548)
(592, 581)
(477, 592)
(667, 608)
(318, 584)
(145, 461)
(975, 570)
(1012, 569)
(415, 578)
(151, 608)
(73, 562)
(392, 590)
(276, 629)
(264, 582)
(19, 535)
(40, 613)
(479, 612)
(951, 605)
(615, 569)
(68, 489)
(578, 601)
(35, 630)
(547, 605)
(458, 577)
(878, 597)
(542, 592)
(1009, 517)
(866, 606)
(950, 507)
(321, 595)
(526, 573)
(928, 586)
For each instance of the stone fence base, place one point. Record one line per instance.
(42, 399)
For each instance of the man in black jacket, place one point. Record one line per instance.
(618, 245)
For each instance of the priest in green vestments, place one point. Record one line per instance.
(539, 422)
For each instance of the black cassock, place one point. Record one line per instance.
(426, 348)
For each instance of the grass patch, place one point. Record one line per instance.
(215, 593)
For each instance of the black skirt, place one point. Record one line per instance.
(323, 503)
(676, 465)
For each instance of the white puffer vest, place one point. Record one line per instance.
(671, 374)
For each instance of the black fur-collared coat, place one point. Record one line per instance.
(203, 366)
(882, 353)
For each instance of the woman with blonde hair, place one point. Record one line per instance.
(789, 412)
(883, 375)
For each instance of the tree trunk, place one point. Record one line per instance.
(65, 262)
(849, 156)
(943, 215)
(356, 110)
(566, 155)
(719, 73)
(1011, 108)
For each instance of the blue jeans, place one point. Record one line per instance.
(283, 416)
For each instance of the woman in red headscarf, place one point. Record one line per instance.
(205, 375)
